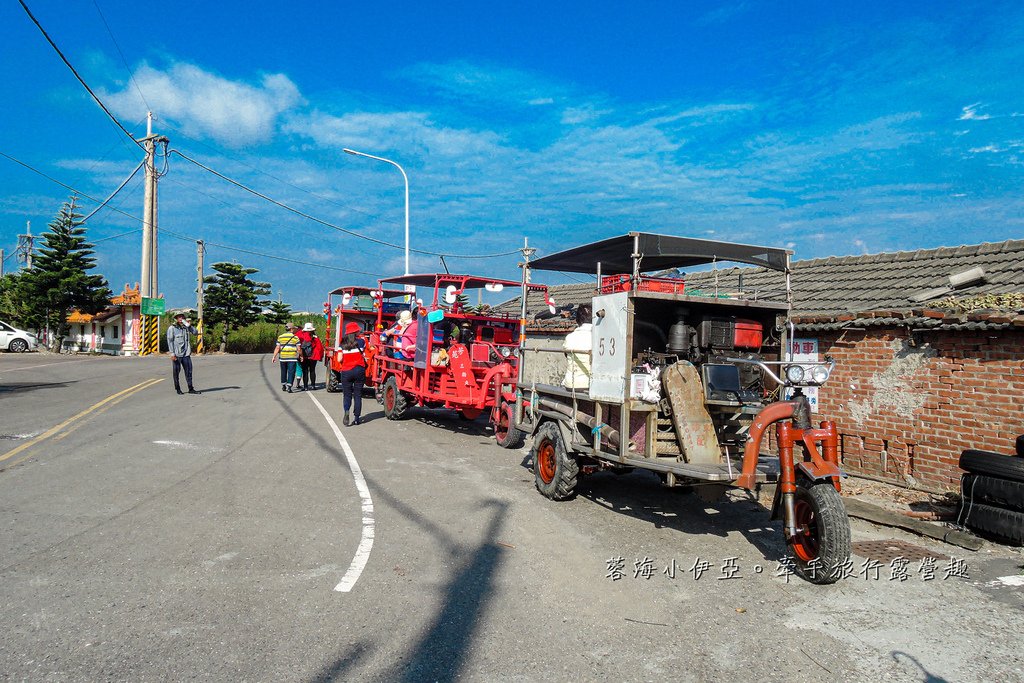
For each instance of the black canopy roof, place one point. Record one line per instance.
(658, 252)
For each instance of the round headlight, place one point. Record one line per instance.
(795, 374)
(515, 351)
(819, 373)
(506, 351)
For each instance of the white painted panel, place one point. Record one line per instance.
(610, 355)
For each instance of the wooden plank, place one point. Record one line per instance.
(878, 515)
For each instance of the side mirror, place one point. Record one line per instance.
(551, 305)
(345, 299)
(494, 286)
(450, 294)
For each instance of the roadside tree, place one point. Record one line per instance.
(58, 282)
(232, 299)
(279, 314)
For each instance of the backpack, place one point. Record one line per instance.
(307, 348)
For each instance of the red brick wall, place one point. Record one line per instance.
(908, 411)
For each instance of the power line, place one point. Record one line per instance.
(114, 193)
(80, 79)
(64, 185)
(270, 256)
(114, 237)
(118, 48)
(332, 225)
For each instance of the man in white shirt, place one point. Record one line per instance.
(577, 347)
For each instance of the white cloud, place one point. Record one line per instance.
(369, 131)
(971, 113)
(467, 82)
(204, 104)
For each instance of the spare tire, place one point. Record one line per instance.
(1007, 525)
(992, 464)
(1003, 493)
(1020, 445)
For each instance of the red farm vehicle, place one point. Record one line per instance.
(687, 384)
(357, 310)
(464, 360)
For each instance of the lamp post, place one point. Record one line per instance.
(404, 177)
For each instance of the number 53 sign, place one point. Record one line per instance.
(609, 363)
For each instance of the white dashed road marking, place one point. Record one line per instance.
(362, 555)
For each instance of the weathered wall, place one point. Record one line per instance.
(906, 410)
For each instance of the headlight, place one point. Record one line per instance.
(820, 373)
(506, 351)
(515, 351)
(795, 374)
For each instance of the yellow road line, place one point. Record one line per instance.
(50, 432)
(99, 411)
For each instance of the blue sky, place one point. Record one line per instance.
(830, 128)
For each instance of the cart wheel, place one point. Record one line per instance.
(505, 432)
(556, 473)
(332, 381)
(822, 543)
(395, 403)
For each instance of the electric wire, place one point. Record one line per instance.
(118, 48)
(332, 225)
(114, 193)
(64, 185)
(256, 169)
(114, 237)
(81, 80)
(207, 244)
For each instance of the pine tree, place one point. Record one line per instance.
(59, 282)
(232, 298)
(280, 313)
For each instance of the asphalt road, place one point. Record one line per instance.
(150, 536)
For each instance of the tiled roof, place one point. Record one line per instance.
(129, 297)
(873, 289)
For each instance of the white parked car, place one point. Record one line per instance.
(18, 341)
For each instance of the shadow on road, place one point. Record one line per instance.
(641, 495)
(213, 389)
(440, 654)
(926, 676)
(25, 387)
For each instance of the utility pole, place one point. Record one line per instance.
(149, 283)
(26, 245)
(1, 262)
(200, 250)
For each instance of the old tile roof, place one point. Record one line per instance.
(129, 297)
(872, 289)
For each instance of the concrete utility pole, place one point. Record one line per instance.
(149, 283)
(1, 262)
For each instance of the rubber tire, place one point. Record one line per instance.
(1004, 524)
(828, 538)
(1019, 445)
(508, 436)
(399, 405)
(18, 346)
(992, 464)
(555, 472)
(333, 383)
(1002, 493)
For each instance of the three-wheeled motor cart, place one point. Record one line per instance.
(687, 383)
(463, 359)
(356, 310)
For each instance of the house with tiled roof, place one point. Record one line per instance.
(929, 350)
(114, 330)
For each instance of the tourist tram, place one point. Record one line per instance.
(459, 358)
(356, 310)
(696, 384)
(687, 382)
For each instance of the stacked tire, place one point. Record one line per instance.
(993, 493)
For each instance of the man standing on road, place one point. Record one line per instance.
(179, 345)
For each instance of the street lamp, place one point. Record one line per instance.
(406, 178)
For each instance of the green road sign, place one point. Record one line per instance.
(152, 306)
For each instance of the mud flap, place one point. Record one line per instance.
(695, 432)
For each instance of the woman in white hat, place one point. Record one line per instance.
(393, 335)
(311, 352)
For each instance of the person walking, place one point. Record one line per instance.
(287, 351)
(179, 345)
(353, 376)
(311, 352)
